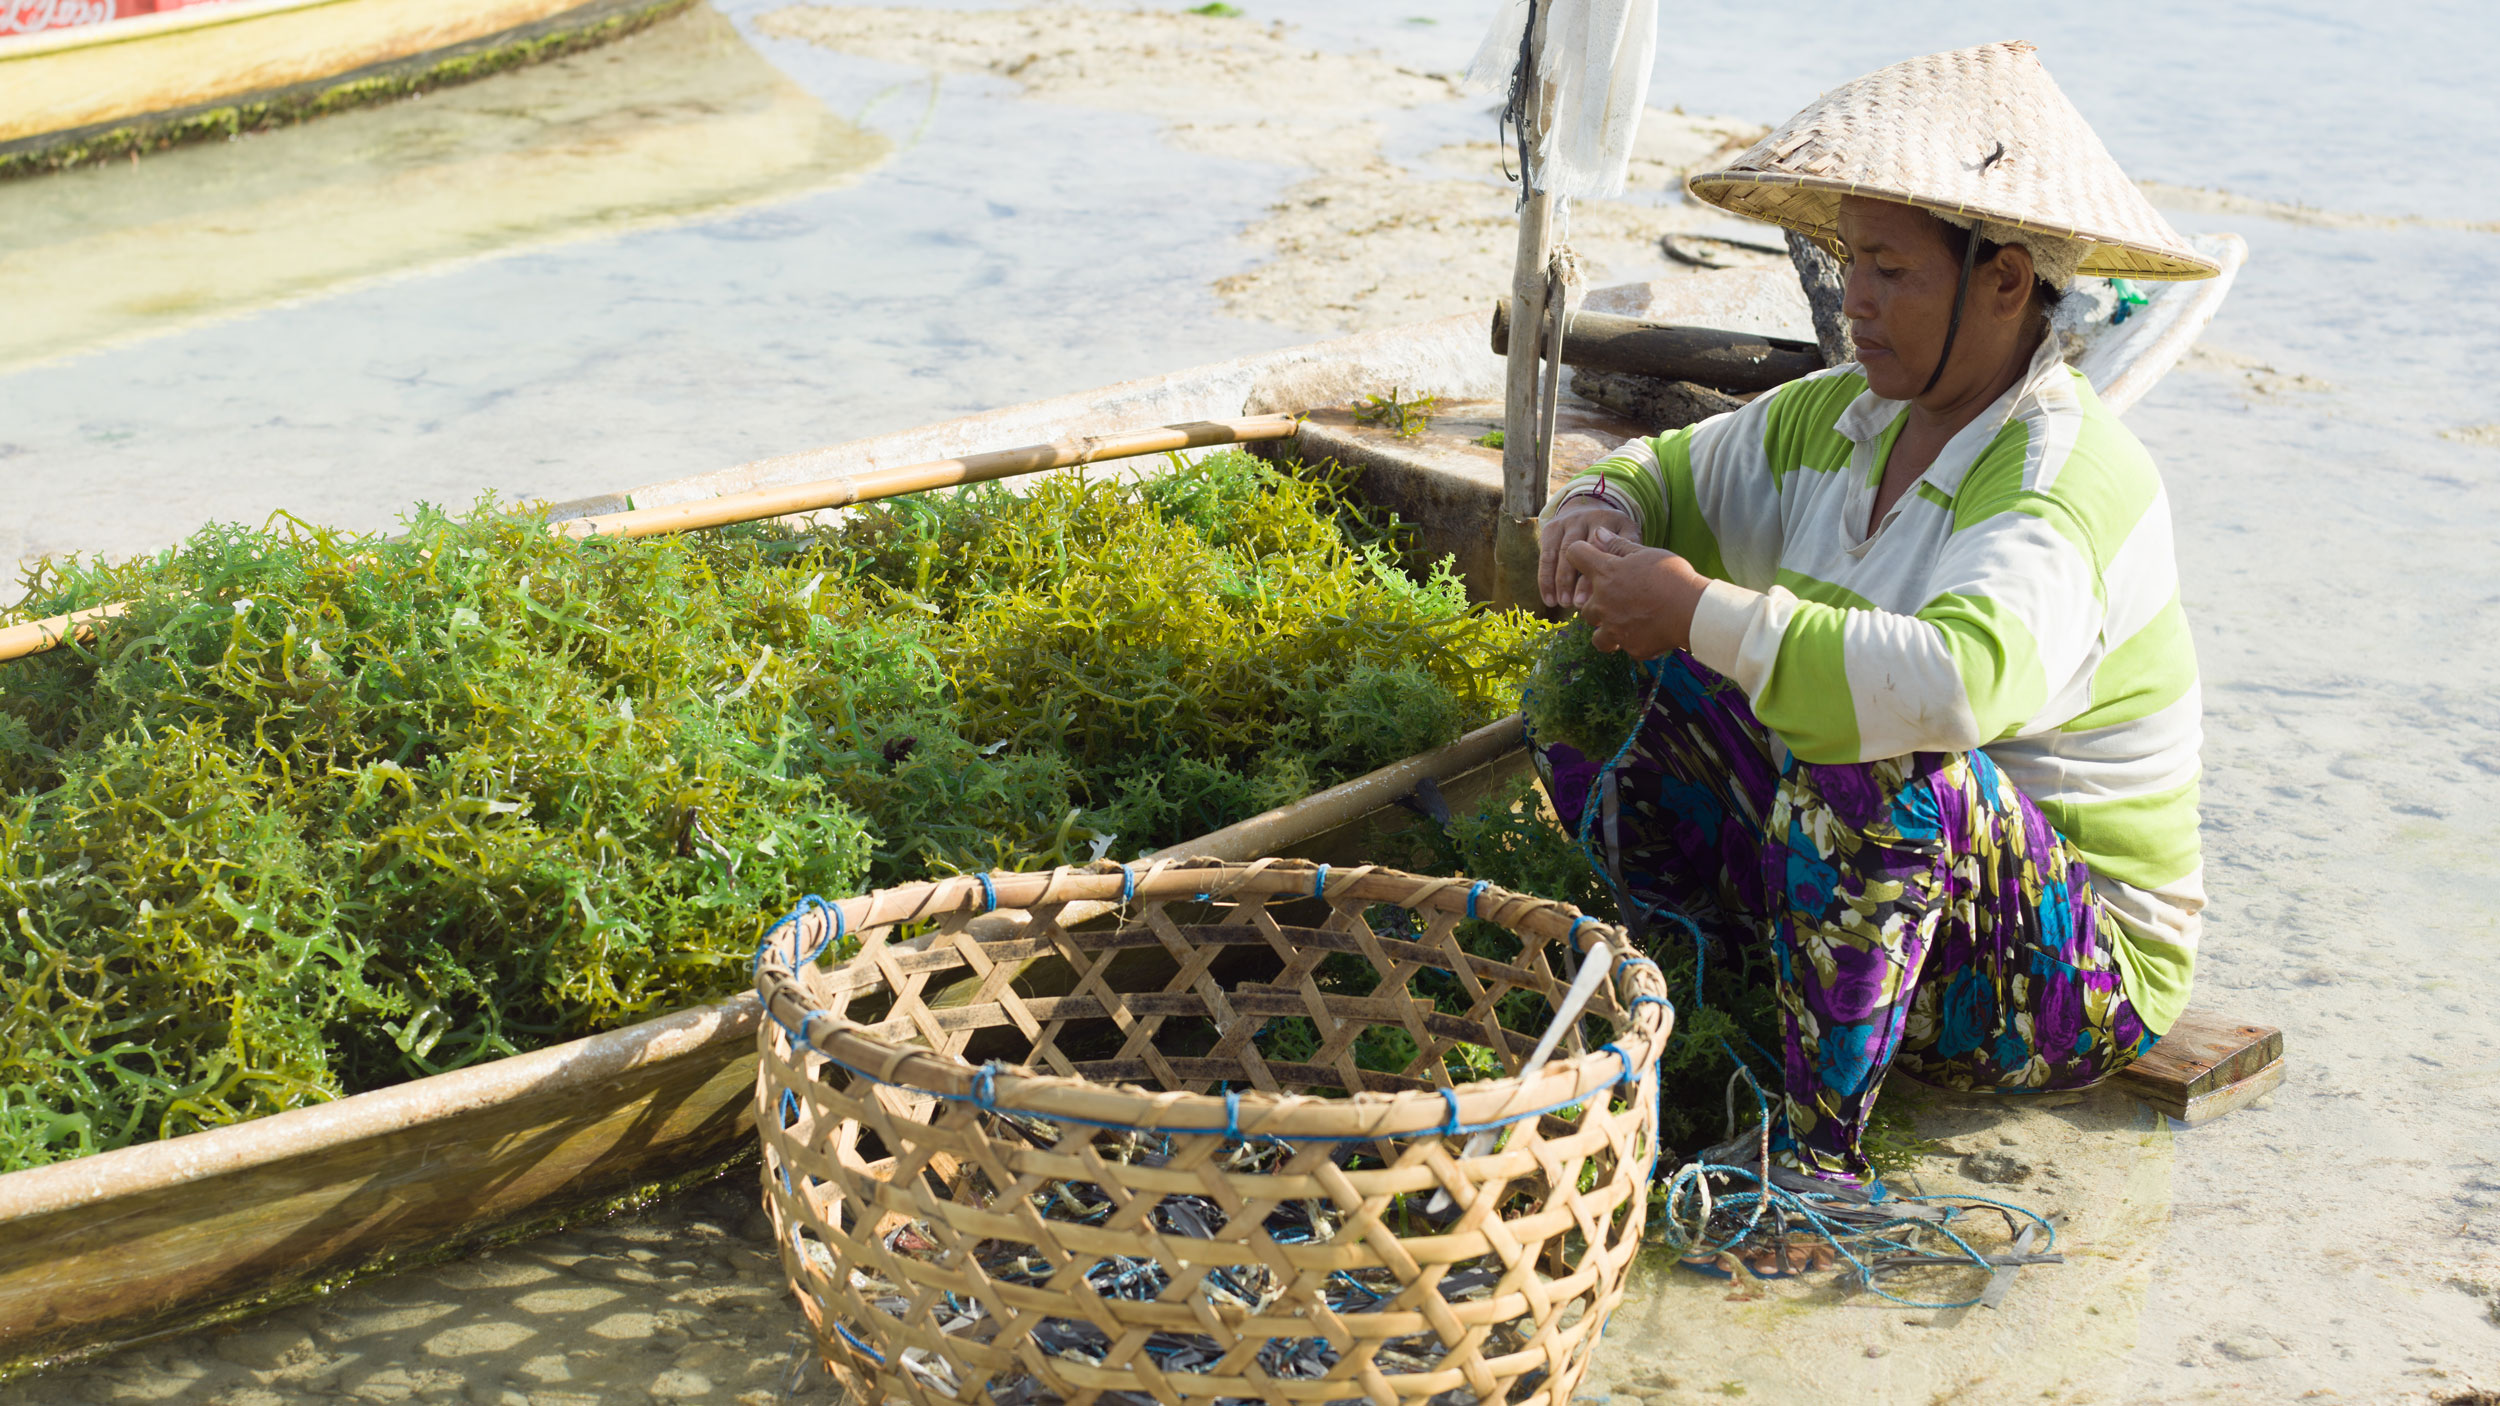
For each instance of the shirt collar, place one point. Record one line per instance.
(1870, 415)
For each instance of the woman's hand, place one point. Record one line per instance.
(1557, 580)
(1637, 599)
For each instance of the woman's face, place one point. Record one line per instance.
(1899, 299)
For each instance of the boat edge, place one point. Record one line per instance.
(585, 26)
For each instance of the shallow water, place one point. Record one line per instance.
(2336, 541)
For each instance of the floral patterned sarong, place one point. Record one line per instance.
(1919, 912)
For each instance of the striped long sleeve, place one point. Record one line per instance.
(2021, 598)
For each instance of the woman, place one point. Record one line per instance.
(1927, 718)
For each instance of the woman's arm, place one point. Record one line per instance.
(2014, 612)
(1706, 492)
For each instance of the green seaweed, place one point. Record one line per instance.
(328, 812)
(1580, 696)
(1404, 418)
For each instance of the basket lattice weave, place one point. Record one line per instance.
(1024, 1145)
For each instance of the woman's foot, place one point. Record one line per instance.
(1842, 1203)
(1786, 1256)
(1773, 1257)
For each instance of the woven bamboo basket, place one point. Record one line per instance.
(1129, 1134)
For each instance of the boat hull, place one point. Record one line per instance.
(124, 1244)
(71, 97)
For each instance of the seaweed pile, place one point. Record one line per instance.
(328, 812)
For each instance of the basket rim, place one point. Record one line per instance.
(1449, 1110)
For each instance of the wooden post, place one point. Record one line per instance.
(1735, 362)
(1524, 455)
(1826, 284)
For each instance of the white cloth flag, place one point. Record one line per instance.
(1595, 62)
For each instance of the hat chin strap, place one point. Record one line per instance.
(1953, 329)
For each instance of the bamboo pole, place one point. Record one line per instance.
(36, 636)
(1524, 453)
(851, 489)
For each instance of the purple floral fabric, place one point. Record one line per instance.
(1916, 913)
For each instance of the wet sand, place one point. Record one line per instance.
(1359, 240)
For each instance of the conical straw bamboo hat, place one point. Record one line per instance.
(1979, 132)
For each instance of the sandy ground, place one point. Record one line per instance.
(2340, 1241)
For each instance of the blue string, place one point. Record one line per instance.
(989, 893)
(1232, 1115)
(853, 1338)
(1766, 1197)
(1319, 886)
(1628, 905)
(984, 1081)
(1610, 1047)
(1477, 892)
(806, 905)
(1128, 884)
(1803, 1206)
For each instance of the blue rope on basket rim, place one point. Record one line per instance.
(985, 1076)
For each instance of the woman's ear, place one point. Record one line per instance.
(2010, 276)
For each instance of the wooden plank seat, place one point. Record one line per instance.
(2205, 1066)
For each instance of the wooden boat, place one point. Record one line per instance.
(147, 1239)
(683, 119)
(89, 80)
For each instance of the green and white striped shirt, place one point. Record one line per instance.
(2022, 598)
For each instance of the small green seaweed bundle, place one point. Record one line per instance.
(327, 812)
(1583, 698)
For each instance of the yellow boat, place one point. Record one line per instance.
(89, 80)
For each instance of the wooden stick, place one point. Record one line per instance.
(1523, 452)
(1583, 986)
(34, 637)
(1275, 831)
(1826, 286)
(1726, 361)
(1522, 494)
(851, 489)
